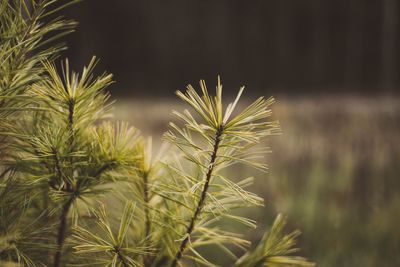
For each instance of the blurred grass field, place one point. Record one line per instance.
(334, 172)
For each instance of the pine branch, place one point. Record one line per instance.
(275, 249)
(79, 163)
(202, 198)
(214, 141)
(23, 37)
(68, 185)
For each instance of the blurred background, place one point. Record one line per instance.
(333, 67)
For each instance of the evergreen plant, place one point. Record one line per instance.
(66, 167)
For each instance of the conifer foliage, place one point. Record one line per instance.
(78, 189)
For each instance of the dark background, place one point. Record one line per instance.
(272, 46)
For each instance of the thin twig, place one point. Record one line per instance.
(146, 199)
(121, 257)
(202, 199)
(64, 214)
(62, 231)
